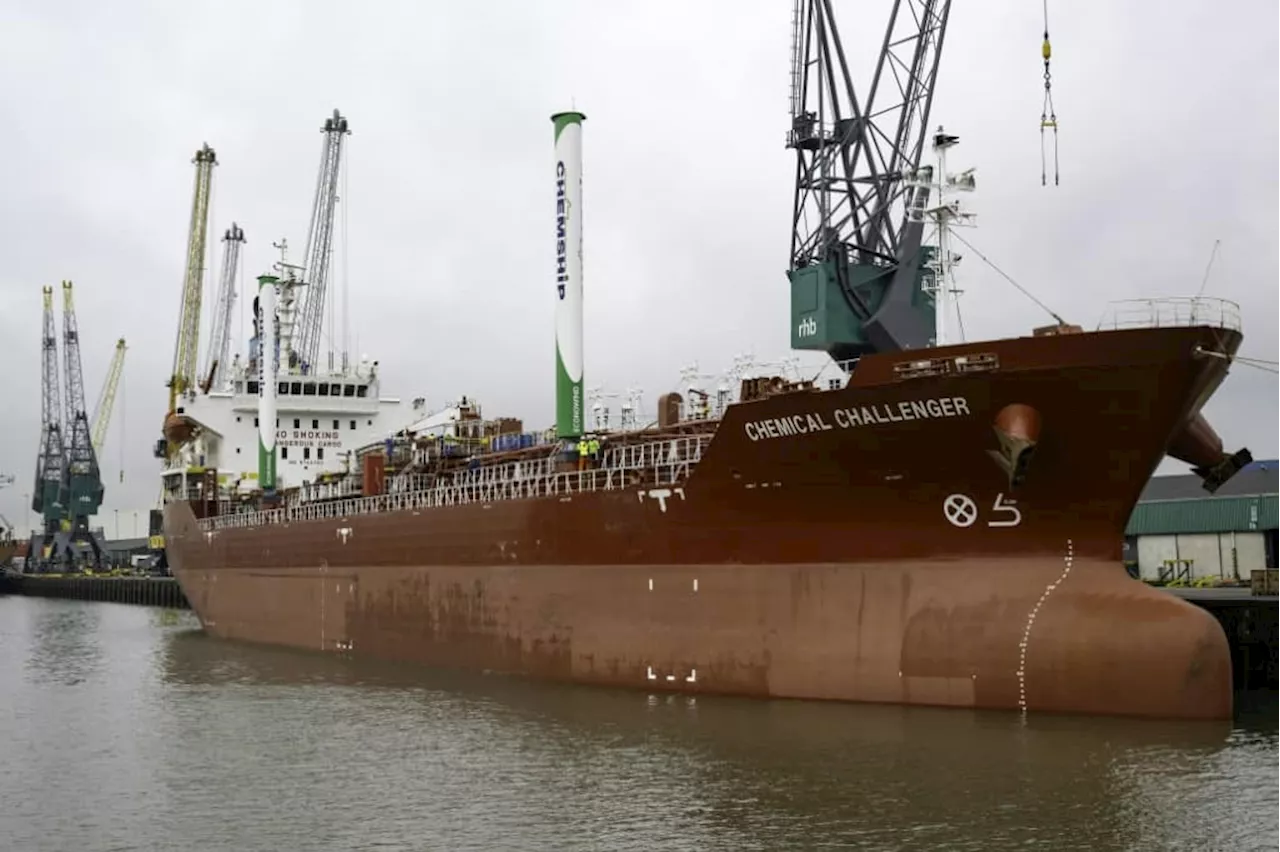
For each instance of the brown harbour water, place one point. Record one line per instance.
(126, 728)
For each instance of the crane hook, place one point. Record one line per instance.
(1048, 117)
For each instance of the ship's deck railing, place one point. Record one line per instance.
(344, 486)
(1171, 312)
(657, 463)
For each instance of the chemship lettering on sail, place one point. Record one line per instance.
(853, 417)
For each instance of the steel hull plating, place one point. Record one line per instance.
(880, 557)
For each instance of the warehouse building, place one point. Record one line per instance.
(1179, 531)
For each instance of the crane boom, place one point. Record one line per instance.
(186, 347)
(220, 340)
(50, 460)
(306, 342)
(6, 528)
(107, 398)
(857, 265)
(82, 483)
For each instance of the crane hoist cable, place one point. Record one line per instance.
(1048, 117)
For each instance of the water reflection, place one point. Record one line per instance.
(62, 649)
(544, 766)
(123, 728)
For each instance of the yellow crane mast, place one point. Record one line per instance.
(107, 400)
(186, 347)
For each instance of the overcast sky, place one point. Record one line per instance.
(1168, 142)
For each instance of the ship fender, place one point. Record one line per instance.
(1017, 428)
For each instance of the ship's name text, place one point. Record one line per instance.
(308, 438)
(854, 416)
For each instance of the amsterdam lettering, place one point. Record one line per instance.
(307, 438)
(856, 416)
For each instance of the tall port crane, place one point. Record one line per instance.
(302, 335)
(68, 488)
(6, 528)
(858, 270)
(107, 400)
(46, 493)
(215, 370)
(182, 381)
(82, 488)
(861, 280)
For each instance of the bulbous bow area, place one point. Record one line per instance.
(1116, 646)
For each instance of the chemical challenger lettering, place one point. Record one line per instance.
(855, 416)
(562, 274)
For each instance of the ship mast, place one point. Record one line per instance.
(856, 255)
(944, 214)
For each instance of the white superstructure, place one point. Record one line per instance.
(325, 406)
(319, 420)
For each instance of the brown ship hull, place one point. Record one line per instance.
(886, 542)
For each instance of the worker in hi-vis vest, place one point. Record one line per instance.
(593, 450)
(583, 449)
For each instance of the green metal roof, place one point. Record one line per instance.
(1204, 515)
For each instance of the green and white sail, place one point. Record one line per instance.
(570, 406)
(267, 383)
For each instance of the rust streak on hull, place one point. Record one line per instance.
(829, 545)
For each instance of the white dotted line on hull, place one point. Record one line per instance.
(1031, 620)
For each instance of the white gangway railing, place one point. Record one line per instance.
(664, 462)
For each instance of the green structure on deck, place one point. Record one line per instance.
(833, 302)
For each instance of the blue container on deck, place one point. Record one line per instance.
(526, 441)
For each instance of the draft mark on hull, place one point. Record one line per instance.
(1031, 620)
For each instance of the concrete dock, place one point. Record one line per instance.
(1223, 596)
(144, 591)
(1250, 622)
